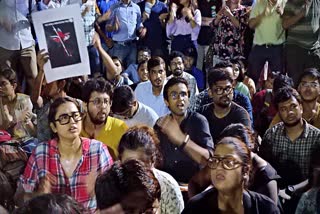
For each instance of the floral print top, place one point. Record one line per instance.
(228, 41)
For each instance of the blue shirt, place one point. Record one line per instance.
(132, 72)
(156, 35)
(104, 6)
(129, 17)
(198, 74)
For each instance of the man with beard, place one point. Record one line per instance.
(97, 124)
(185, 140)
(150, 92)
(309, 89)
(177, 68)
(288, 145)
(222, 111)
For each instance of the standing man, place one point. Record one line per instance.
(269, 36)
(125, 22)
(185, 140)
(177, 68)
(301, 18)
(97, 124)
(16, 42)
(288, 145)
(150, 92)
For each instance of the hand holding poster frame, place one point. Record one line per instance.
(60, 31)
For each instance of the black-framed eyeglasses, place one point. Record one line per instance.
(65, 118)
(99, 102)
(220, 90)
(228, 162)
(174, 95)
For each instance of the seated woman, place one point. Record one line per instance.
(141, 143)
(264, 177)
(130, 186)
(67, 163)
(16, 115)
(230, 179)
(310, 201)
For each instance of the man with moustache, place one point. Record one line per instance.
(177, 68)
(97, 124)
(150, 92)
(185, 140)
(222, 111)
(288, 145)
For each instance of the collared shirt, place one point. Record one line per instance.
(145, 95)
(181, 27)
(110, 134)
(129, 17)
(203, 99)
(45, 160)
(144, 116)
(155, 31)
(88, 21)
(177, 162)
(270, 30)
(14, 12)
(290, 159)
(192, 84)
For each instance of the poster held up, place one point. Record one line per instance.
(60, 32)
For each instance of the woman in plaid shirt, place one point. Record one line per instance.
(67, 163)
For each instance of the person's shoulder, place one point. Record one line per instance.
(206, 107)
(146, 109)
(195, 116)
(165, 177)
(237, 108)
(201, 202)
(263, 203)
(275, 128)
(143, 85)
(115, 122)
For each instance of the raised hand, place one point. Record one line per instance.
(42, 58)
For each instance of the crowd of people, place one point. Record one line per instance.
(191, 106)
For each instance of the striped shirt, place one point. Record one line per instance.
(290, 159)
(45, 159)
(301, 33)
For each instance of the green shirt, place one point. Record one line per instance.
(270, 30)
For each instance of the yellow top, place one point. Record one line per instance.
(110, 134)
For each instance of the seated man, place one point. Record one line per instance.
(222, 112)
(97, 124)
(126, 107)
(150, 92)
(184, 136)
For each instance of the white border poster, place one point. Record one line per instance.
(60, 31)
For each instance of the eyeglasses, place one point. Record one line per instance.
(220, 90)
(174, 95)
(100, 102)
(65, 118)
(309, 84)
(228, 162)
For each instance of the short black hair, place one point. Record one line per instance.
(99, 85)
(284, 94)
(310, 72)
(51, 203)
(141, 63)
(190, 52)
(144, 49)
(123, 181)
(155, 61)
(175, 54)
(282, 81)
(123, 97)
(223, 64)
(9, 74)
(216, 75)
(171, 82)
(55, 105)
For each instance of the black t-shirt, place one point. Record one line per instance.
(208, 8)
(207, 202)
(237, 114)
(176, 162)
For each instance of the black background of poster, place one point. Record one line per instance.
(57, 53)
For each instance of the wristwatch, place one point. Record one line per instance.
(290, 190)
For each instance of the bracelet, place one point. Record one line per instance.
(184, 143)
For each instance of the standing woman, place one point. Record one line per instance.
(229, 26)
(183, 24)
(67, 163)
(230, 168)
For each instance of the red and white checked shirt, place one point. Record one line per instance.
(46, 159)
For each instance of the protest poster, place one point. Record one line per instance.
(60, 31)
